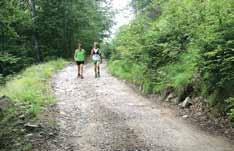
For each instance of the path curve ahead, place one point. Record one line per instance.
(106, 115)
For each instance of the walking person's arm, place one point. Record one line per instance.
(91, 54)
(100, 54)
(74, 56)
(85, 58)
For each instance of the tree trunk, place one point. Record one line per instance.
(34, 34)
(2, 37)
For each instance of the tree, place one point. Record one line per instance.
(179, 44)
(40, 30)
(34, 33)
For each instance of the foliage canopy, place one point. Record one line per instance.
(173, 44)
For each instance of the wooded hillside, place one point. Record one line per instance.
(39, 30)
(184, 46)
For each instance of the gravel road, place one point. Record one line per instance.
(105, 114)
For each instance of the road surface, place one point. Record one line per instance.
(105, 114)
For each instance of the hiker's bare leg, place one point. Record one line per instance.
(81, 70)
(78, 69)
(98, 69)
(95, 70)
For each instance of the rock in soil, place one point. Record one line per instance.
(186, 103)
(5, 103)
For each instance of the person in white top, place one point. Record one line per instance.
(96, 59)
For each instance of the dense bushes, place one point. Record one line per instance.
(218, 66)
(173, 44)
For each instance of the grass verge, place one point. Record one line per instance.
(28, 94)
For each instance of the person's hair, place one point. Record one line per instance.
(95, 45)
(79, 45)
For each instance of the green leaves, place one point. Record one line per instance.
(8, 58)
(230, 107)
(186, 42)
(58, 26)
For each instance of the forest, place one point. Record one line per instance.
(184, 46)
(179, 47)
(33, 31)
(36, 37)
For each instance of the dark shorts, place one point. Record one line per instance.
(79, 62)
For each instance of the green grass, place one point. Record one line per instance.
(127, 71)
(118, 68)
(30, 93)
(31, 86)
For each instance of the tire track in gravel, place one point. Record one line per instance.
(106, 115)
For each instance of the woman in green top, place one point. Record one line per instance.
(79, 57)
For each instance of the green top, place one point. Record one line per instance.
(79, 55)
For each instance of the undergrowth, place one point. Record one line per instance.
(27, 93)
(31, 86)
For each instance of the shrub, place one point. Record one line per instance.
(230, 107)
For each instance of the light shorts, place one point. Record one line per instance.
(96, 59)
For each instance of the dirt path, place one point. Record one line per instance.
(106, 115)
